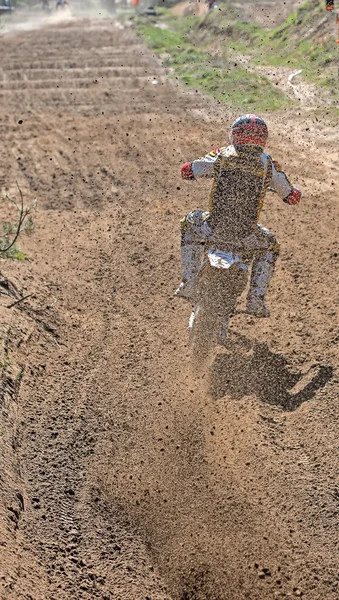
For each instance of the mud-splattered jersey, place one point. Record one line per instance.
(242, 176)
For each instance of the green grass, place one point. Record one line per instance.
(6, 236)
(10, 232)
(199, 67)
(14, 252)
(199, 50)
(300, 42)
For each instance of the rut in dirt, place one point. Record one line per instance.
(67, 540)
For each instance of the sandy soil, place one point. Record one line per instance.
(269, 13)
(121, 478)
(185, 9)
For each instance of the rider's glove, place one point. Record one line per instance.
(293, 197)
(187, 171)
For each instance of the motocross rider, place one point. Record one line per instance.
(62, 4)
(242, 174)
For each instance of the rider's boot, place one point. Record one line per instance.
(262, 271)
(194, 231)
(190, 264)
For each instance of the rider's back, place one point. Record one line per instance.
(241, 178)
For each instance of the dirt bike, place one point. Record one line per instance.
(220, 282)
(6, 6)
(62, 5)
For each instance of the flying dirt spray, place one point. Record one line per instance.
(91, 7)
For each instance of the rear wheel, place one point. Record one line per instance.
(218, 293)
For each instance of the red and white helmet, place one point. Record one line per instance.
(251, 130)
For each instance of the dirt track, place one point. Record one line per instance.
(120, 476)
(268, 13)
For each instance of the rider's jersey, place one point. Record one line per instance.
(242, 176)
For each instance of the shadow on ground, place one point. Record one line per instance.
(250, 368)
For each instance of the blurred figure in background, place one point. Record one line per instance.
(62, 4)
(330, 7)
(211, 4)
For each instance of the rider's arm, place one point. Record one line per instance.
(280, 183)
(202, 167)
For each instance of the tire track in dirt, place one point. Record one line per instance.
(88, 562)
(126, 465)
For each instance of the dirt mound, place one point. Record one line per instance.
(191, 8)
(119, 473)
(268, 13)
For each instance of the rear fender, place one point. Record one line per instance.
(225, 260)
(221, 280)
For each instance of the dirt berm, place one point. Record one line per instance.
(120, 478)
